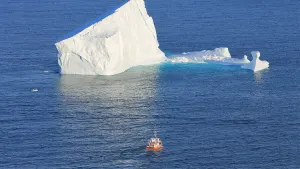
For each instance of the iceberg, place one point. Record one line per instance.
(120, 39)
(256, 64)
(35, 90)
(221, 56)
(217, 56)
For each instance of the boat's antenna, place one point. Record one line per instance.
(155, 134)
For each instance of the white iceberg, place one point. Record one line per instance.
(256, 64)
(216, 56)
(111, 44)
(35, 90)
(221, 56)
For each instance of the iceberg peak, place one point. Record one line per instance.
(114, 42)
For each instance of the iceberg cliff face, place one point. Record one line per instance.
(122, 38)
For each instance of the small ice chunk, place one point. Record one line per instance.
(246, 58)
(256, 64)
(34, 90)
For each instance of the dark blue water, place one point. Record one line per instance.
(208, 116)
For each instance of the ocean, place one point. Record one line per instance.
(208, 116)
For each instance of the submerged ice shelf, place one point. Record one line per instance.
(122, 38)
(220, 56)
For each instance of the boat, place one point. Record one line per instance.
(154, 144)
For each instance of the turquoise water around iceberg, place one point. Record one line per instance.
(209, 116)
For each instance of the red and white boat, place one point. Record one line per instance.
(154, 144)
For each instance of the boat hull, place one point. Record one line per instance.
(156, 148)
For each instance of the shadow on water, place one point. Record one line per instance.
(126, 89)
(259, 76)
